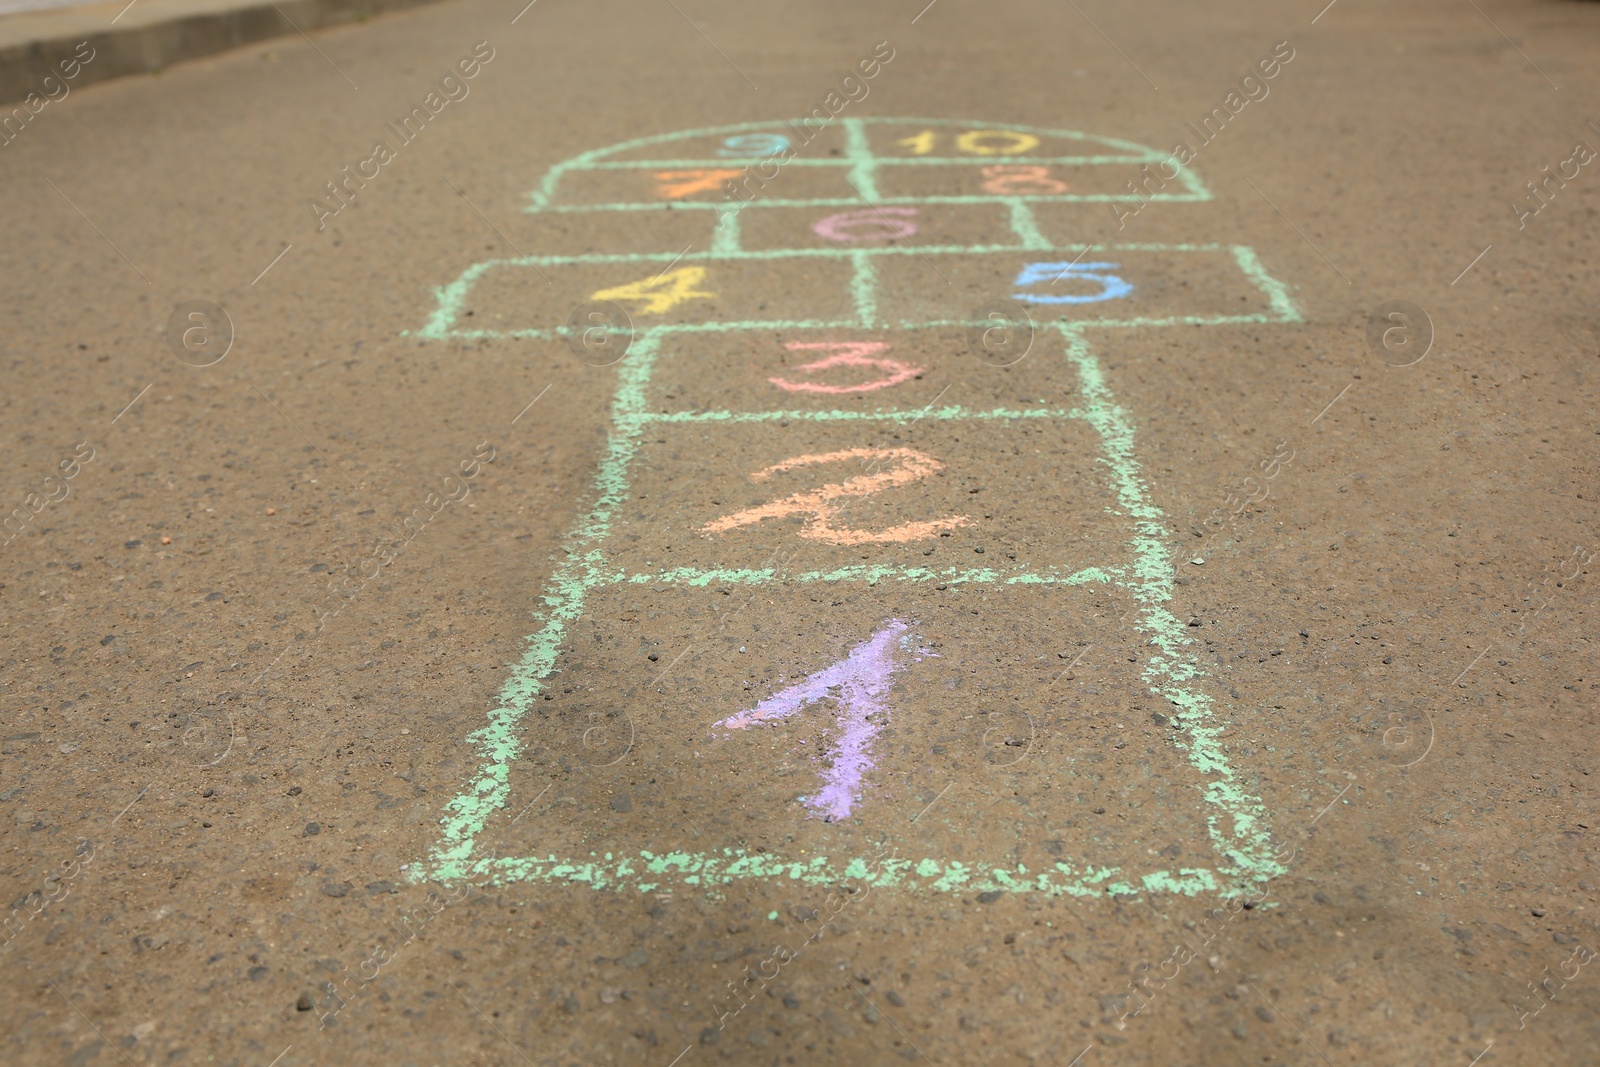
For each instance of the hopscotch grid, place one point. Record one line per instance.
(708, 868)
(1168, 673)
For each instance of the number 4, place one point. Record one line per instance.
(661, 293)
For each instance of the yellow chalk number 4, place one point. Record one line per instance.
(661, 293)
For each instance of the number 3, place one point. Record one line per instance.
(1111, 286)
(850, 354)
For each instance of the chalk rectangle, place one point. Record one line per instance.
(1003, 370)
(920, 501)
(1033, 764)
(1111, 284)
(513, 295)
(848, 227)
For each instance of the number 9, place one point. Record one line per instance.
(751, 145)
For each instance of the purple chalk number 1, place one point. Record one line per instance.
(1051, 274)
(859, 686)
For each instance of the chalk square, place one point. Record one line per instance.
(847, 228)
(993, 178)
(713, 497)
(1110, 284)
(1023, 714)
(511, 295)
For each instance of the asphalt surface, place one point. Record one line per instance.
(485, 600)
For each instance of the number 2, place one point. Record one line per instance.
(821, 506)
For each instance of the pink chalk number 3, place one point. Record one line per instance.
(849, 354)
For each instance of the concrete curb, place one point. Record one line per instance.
(152, 34)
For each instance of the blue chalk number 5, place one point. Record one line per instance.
(1111, 286)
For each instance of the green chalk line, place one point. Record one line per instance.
(1244, 845)
(864, 289)
(859, 158)
(1254, 318)
(1026, 227)
(725, 236)
(870, 573)
(854, 252)
(647, 872)
(949, 411)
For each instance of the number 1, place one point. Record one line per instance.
(920, 145)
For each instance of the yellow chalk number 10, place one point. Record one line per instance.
(975, 142)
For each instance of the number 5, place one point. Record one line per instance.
(1111, 286)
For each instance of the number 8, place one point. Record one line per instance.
(1003, 180)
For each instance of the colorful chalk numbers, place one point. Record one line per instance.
(800, 424)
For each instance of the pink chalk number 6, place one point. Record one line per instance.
(867, 224)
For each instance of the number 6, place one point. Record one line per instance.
(868, 224)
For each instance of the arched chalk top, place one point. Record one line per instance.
(859, 160)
